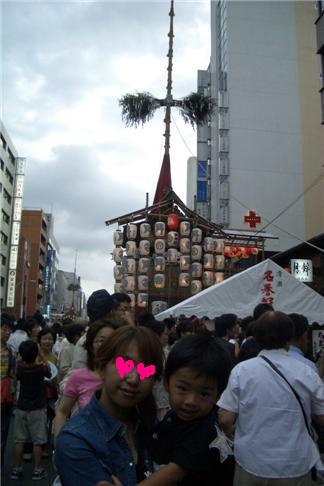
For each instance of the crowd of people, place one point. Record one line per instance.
(128, 401)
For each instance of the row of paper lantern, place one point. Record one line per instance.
(240, 251)
(173, 238)
(130, 283)
(171, 253)
(185, 264)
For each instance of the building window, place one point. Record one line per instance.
(320, 6)
(3, 260)
(3, 142)
(2, 164)
(2, 281)
(4, 238)
(9, 176)
(7, 196)
(11, 157)
(202, 191)
(202, 169)
(5, 216)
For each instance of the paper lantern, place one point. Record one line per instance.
(219, 277)
(208, 245)
(143, 265)
(159, 264)
(173, 221)
(118, 238)
(131, 231)
(172, 255)
(142, 300)
(145, 230)
(219, 262)
(118, 254)
(159, 229)
(144, 247)
(173, 239)
(196, 252)
(196, 270)
(130, 248)
(118, 287)
(196, 235)
(184, 280)
(185, 263)
(248, 250)
(118, 272)
(131, 266)
(158, 306)
(185, 245)
(208, 278)
(185, 228)
(219, 245)
(208, 261)
(159, 246)
(195, 286)
(254, 251)
(129, 283)
(159, 280)
(132, 298)
(143, 283)
(227, 251)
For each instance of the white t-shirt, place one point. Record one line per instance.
(271, 439)
(15, 340)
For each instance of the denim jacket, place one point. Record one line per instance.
(92, 446)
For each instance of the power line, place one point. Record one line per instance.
(181, 136)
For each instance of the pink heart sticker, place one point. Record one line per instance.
(124, 367)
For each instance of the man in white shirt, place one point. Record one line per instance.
(299, 344)
(18, 336)
(271, 443)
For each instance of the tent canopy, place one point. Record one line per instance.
(239, 294)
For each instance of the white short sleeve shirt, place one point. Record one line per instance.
(271, 439)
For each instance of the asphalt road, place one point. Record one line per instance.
(27, 467)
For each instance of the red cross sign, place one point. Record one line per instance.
(252, 219)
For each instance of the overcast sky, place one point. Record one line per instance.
(64, 67)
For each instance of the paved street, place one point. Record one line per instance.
(28, 468)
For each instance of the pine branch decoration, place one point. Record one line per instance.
(138, 109)
(195, 108)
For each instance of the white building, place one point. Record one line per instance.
(264, 146)
(12, 170)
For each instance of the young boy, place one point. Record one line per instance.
(30, 417)
(196, 373)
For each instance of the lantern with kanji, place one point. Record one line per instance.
(159, 264)
(118, 238)
(219, 277)
(143, 283)
(145, 230)
(196, 270)
(208, 261)
(208, 278)
(159, 306)
(132, 298)
(118, 287)
(159, 229)
(172, 255)
(185, 245)
(219, 245)
(195, 286)
(196, 252)
(142, 299)
(185, 228)
(130, 248)
(184, 263)
(196, 235)
(219, 262)
(173, 221)
(129, 283)
(118, 254)
(208, 244)
(184, 279)
(131, 265)
(159, 246)
(144, 247)
(143, 265)
(173, 239)
(131, 231)
(159, 280)
(118, 272)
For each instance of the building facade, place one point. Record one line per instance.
(320, 47)
(262, 150)
(70, 298)
(12, 170)
(49, 302)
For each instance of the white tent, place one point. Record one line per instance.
(239, 294)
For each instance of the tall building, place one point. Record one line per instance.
(34, 244)
(12, 170)
(49, 303)
(262, 150)
(320, 47)
(67, 299)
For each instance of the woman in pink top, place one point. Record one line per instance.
(82, 382)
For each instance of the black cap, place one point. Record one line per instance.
(99, 304)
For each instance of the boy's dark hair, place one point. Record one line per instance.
(120, 297)
(169, 322)
(156, 326)
(30, 323)
(185, 325)
(245, 323)
(28, 350)
(261, 309)
(223, 323)
(43, 332)
(72, 330)
(202, 354)
(273, 330)
(300, 325)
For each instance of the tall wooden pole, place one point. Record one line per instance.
(169, 99)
